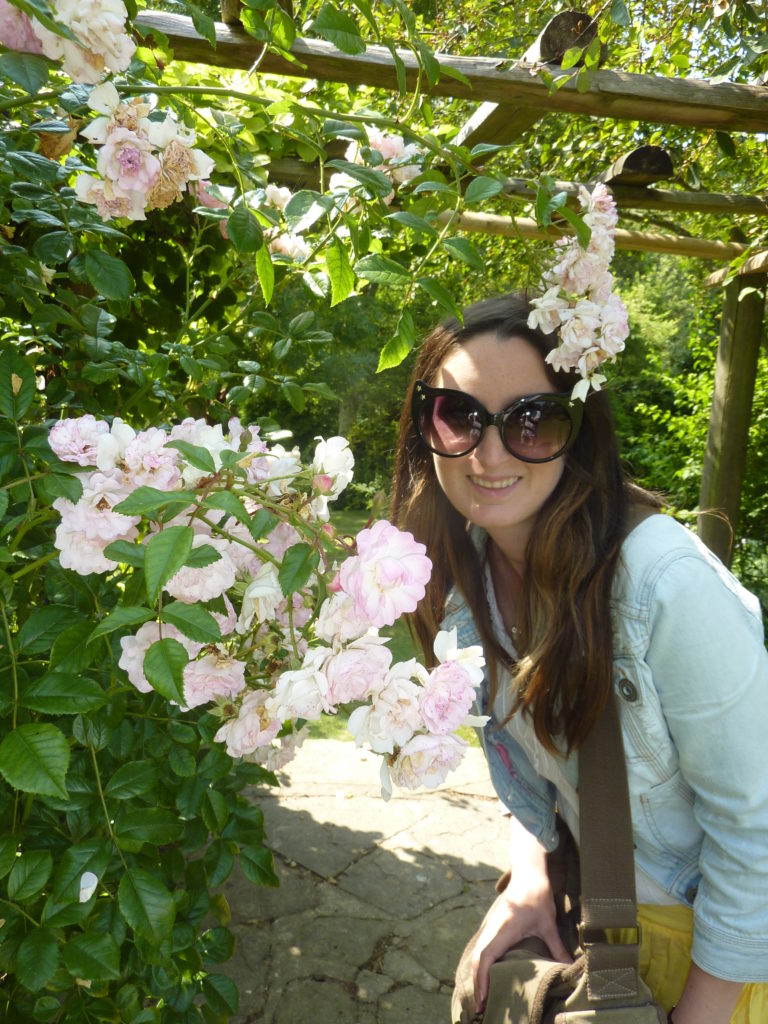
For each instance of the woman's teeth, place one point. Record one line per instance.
(494, 485)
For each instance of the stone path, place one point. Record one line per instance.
(376, 901)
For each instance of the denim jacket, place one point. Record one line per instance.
(691, 678)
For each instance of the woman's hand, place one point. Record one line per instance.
(526, 907)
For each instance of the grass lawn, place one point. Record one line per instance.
(401, 644)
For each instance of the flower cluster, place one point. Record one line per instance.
(395, 159)
(579, 300)
(145, 158)
(274, 621)
(100, 42)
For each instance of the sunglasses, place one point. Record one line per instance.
(535, 428)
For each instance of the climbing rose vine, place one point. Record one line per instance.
(253, 606)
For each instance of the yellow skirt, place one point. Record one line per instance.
(665, 958)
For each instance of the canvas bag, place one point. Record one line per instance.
(603, 984)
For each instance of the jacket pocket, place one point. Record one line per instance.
(667, 813)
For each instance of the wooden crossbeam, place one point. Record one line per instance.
(641, 198)
(638, 241)
(611, 94)
(643, 166)
(503, 123)
(753, 265)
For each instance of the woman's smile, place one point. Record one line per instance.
(487, 484)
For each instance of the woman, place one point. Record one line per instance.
(574, 584)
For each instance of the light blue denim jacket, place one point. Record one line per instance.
(691, 677)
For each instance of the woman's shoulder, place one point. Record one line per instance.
(660, 555)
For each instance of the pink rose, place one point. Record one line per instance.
(76, 439)
(149, 463)
(446, 699)
(16, 30)
(357, 670)
(190, 585)
(426, 761)
(388, 575)
(214, 675)
(393, 715)
(339, 619)
(252, 728)
(128, 161)
(302, 693)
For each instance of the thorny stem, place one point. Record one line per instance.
(102, 798)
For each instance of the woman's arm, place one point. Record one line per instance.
(526, 907)
(706, 999)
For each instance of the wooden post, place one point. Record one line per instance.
(741, 332)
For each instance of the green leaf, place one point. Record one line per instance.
(25, 69)
(193, 621)
(441, 295)
(149, 501)
(196, 456)
(283, 29)
(8, 846)
(91, 855)
(37, 959)
(340, 272)
(375, 181)
(29, 874)
(265, 271)
(121, 618)
(482, 188)
(34, 758)
(164, 665)
(306, 207)
(464, 250)
(220, 994)
(414, 222)
(298, 564)
(397, 348)
(126, 553)
(215, 811)
(338, 28)
(69, 652)
(294, 394)
(381, 270)
(227, 502)
(165, 553)
(61, 693)
(130, 780)
(726, 144)
(202, 555)
(244, 230)
(146, 904)
(93, 956)
(135, 826)
(583, 80)
(258, 867)
(109, 275)
(620, 13)
(42, 627)
(17, 385)
(571, 57)
(583, 232)
(205, 27)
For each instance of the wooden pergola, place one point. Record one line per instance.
(510, 99)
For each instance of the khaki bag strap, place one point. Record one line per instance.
(608, 896)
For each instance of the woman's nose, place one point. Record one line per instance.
(491, 449)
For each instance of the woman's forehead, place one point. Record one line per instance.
(494, 369)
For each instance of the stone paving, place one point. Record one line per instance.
(376, 900)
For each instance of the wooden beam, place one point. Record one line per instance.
(638, 241)
(641, 198)
(503, 123)
(611, 94)
(752, 265)
(498, 123)
(722, 476)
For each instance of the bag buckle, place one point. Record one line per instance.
(612, 936)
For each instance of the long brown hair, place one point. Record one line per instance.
(564, 673)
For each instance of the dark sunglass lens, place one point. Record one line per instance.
(450, 424)
(537, 430)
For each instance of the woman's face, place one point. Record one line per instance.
(489, 486)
